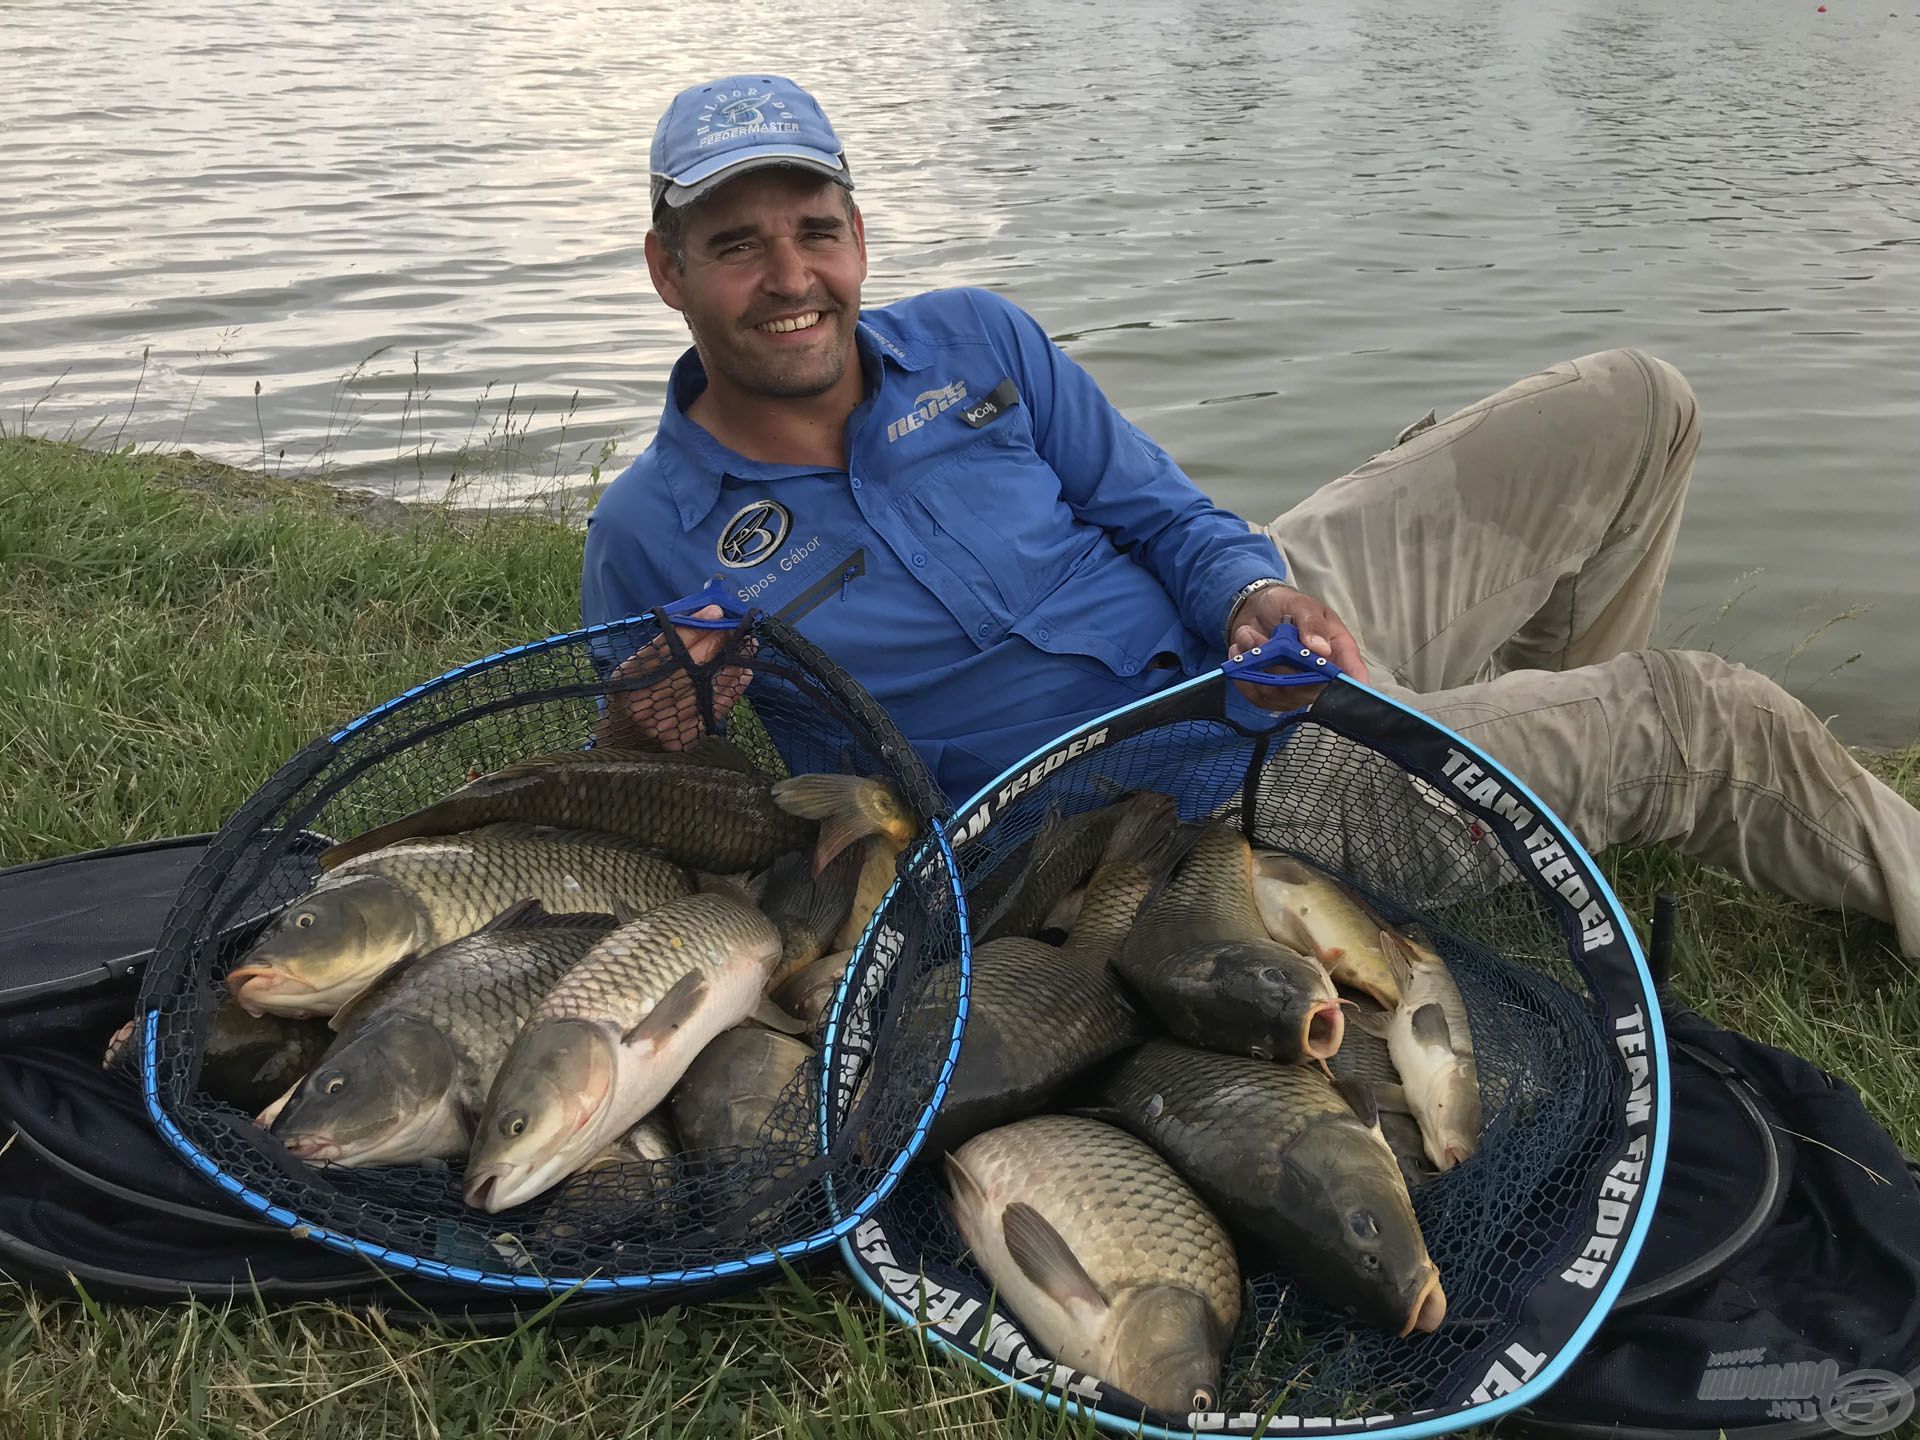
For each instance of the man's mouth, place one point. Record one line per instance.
(790, 324)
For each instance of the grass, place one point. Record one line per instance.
(170, 631)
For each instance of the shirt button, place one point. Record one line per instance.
(985, 629)
(1129, 667)
(855, 482)
(919, 562)
(1044, 633)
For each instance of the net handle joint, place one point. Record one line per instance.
(680, 611)
(1282, 647)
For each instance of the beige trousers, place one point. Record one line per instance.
(1502, 569)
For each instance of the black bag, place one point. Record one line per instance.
(89, 1193)
(1778, 1293)
(1793, 1264)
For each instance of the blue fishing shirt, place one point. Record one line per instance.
(1004, 558)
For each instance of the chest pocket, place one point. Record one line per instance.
(993, 517)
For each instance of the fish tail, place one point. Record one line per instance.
(849, 808)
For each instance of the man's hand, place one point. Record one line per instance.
(667, 716)
(1322, 631)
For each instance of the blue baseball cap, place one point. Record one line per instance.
(715, 132)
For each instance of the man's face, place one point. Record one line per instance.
(771, 284)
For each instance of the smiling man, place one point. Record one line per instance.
(939, 497)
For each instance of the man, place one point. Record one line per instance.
(946, 503)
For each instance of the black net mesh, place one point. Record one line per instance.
(1551, 1089)
(639, 1221)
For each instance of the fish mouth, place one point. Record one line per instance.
(312, 1147)
(484, 1189)
(250, 985)
(1325, 1027)
(1429, 1307)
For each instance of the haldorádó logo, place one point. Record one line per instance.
(740, 112)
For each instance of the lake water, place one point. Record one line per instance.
(1276, 233)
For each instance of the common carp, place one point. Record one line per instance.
(613, 1038)
(417, 1050)
(1207, 970)
(418, 895)
(1295, 1166)
(1105, 1256)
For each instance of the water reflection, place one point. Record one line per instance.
(1275, 233)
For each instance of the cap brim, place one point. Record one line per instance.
(685, 188)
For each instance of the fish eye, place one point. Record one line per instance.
(1270, 975)
(335, 1084)
(304, 920)
(1154, 1106)
(515, 1125)
(1364, 1224)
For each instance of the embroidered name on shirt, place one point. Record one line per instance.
(1001, 399)
(926, 405)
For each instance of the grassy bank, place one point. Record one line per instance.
(170, 632)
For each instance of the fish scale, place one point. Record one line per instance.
(614, 1036)
(461, 883)
(719, 817)
(634, 966)
(1167, 1277)
(474, 993)
(1127, 1216)
(1281, 1156)
(481, 989)
(1038, 1016)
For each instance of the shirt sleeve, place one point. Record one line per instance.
(1113, 476)
(616, 577)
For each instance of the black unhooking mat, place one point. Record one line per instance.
(88, 1191)
(1778, 1294)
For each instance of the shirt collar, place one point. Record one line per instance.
(695, 465)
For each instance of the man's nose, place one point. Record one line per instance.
(787, 271)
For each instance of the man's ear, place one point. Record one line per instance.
(665, 274)
(860, 241)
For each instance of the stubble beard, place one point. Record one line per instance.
(762, 375)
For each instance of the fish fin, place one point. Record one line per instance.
(1392, 1097)
(529, 909)
(1430, 1026)
(745, 889)
(675, 1008)
(1146, 820)
(1371, 1022)
(407, 827)
(1285, 868)
(848, 807)
(774, 1018)
(1105, 1114)
(1399, 957)
(968, 1193)
(361, 1003)
(1363, 1100)
(266, 1118)
(1046, 1259)
(716, 752)
(1293, 933)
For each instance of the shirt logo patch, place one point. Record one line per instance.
(754, 533)
(926, 405)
